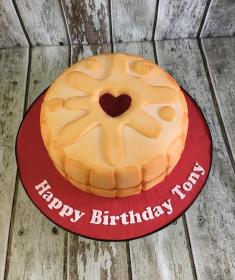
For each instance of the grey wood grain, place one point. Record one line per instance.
(163, 255)
(13, 72)
(79, 52)
(87, 20)
(96, 260)
(132, 20)
(43, 21)
(220, 56)
(11, 32)
(46, 64)
(220, 19)
(210, 219)
(37, 245)
(88, 259)
(144, 49)
(179, 19)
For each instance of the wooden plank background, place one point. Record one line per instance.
(11, 31)
(62, 22)
(220, 19)
(95, 259)
(35, 240)
(200, 246)
(210, 219)
(43, 21)
(87, 21)
(164, 254)
(179, 19)
(13, 72)
(132, 20)
(220, 58)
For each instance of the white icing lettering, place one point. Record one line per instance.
(77, 216)
(42, 187)
(187, 186)
(55, 203)
(113, 220)
(168, 206)
(193, 177)
(123, 217)
(198, 168)
(148, 214)
(47, 196)
(66, 211)
(105, 218)
(96, 217)
(134, 217)
(158, 211)
(176, 190)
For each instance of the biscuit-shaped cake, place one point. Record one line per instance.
(114, 124)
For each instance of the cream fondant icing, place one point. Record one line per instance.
(122, 155)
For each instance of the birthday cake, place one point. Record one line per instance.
(114, 124)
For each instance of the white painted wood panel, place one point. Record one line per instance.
(220, 19)
(210, 219)
(132, 20)
(179, 18)
(89, 259)
(11, 32)
(165, 254)
(37, 245)
(87, 20)
(220, 56)
(13, 72)
(43, 21)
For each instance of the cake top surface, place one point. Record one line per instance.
(114, 110)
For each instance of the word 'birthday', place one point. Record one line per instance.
(104, 217)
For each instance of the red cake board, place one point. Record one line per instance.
(112, 219)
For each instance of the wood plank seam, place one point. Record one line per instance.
(35, 253)
(70, 55)
(17, 180)
(129, 266)
(12, 219)
(22, 23)
(110, 24)
(204, 17)
(215, 103)
(155, 52)
(189, 247)
(220, 54)
(90, 259)
(27, 81)
(155, 21)
(65, 23)
(65, 269)
(183, 216)
(66, 235)
(133, 20)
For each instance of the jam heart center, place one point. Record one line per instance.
(114, 106)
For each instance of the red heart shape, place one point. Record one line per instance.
(114, 106)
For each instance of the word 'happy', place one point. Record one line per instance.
(130, 217)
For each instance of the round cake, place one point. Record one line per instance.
(114, 124)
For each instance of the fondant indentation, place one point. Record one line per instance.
(90, 64)
(55, 104)
(166, 113)
(142, 67)
(77, 102)
(134, 148)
